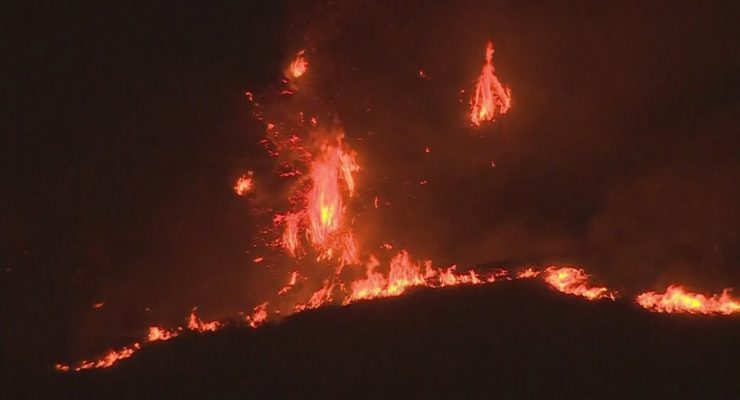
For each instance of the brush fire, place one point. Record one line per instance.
(337, 266)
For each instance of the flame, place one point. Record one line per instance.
(527, 273)
(157, 333)
(318, 298)
(291, 283)
(298, 66)
(676, 299)
(325, 203)
(244, 184)
(259, 316)
(574, 281)
(403, 274)
(198, 325)
(491, 97)
(106, 361)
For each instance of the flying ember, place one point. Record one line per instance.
(491, 98)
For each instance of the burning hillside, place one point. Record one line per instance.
(316, 230)
(456, 341)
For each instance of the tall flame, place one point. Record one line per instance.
(676, 299)
(325, 204)
(491, 98)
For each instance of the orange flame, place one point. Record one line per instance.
(197, 324)
(575, 281)
(259, 317)
(244, 184)
(106, 361)
(325, 204)
(527, 273)
(157, 333)
(291, 283)
(491, 97)
(298, 66)
(318, 298)
(676, 299)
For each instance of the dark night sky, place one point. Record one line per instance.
(124, 128)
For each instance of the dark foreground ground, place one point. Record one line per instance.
(511, 340)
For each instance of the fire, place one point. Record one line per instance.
(491, 98)
(157, 333)
(325, 201)
(575, 281)
(325, 181)
(298, 66)
(259, 316)
(676, 299)
(198, 325)
(244, 184)
(106, 361)
(528, 273)
(291, 283)
(318, 298)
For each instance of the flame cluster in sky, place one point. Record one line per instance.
(490, 98)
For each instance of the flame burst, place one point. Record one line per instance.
(158, 333)
(298, 66)
(574, 281)
(676, 299)
(491, 98)
(332, 182)
(244, 184)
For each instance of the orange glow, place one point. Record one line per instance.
(574, 281)
(298, 66)
(676, 299)
(244, 184)
(156, 333)
(99, 304)
(491, 97)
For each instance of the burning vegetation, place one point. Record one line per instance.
(315, 231)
